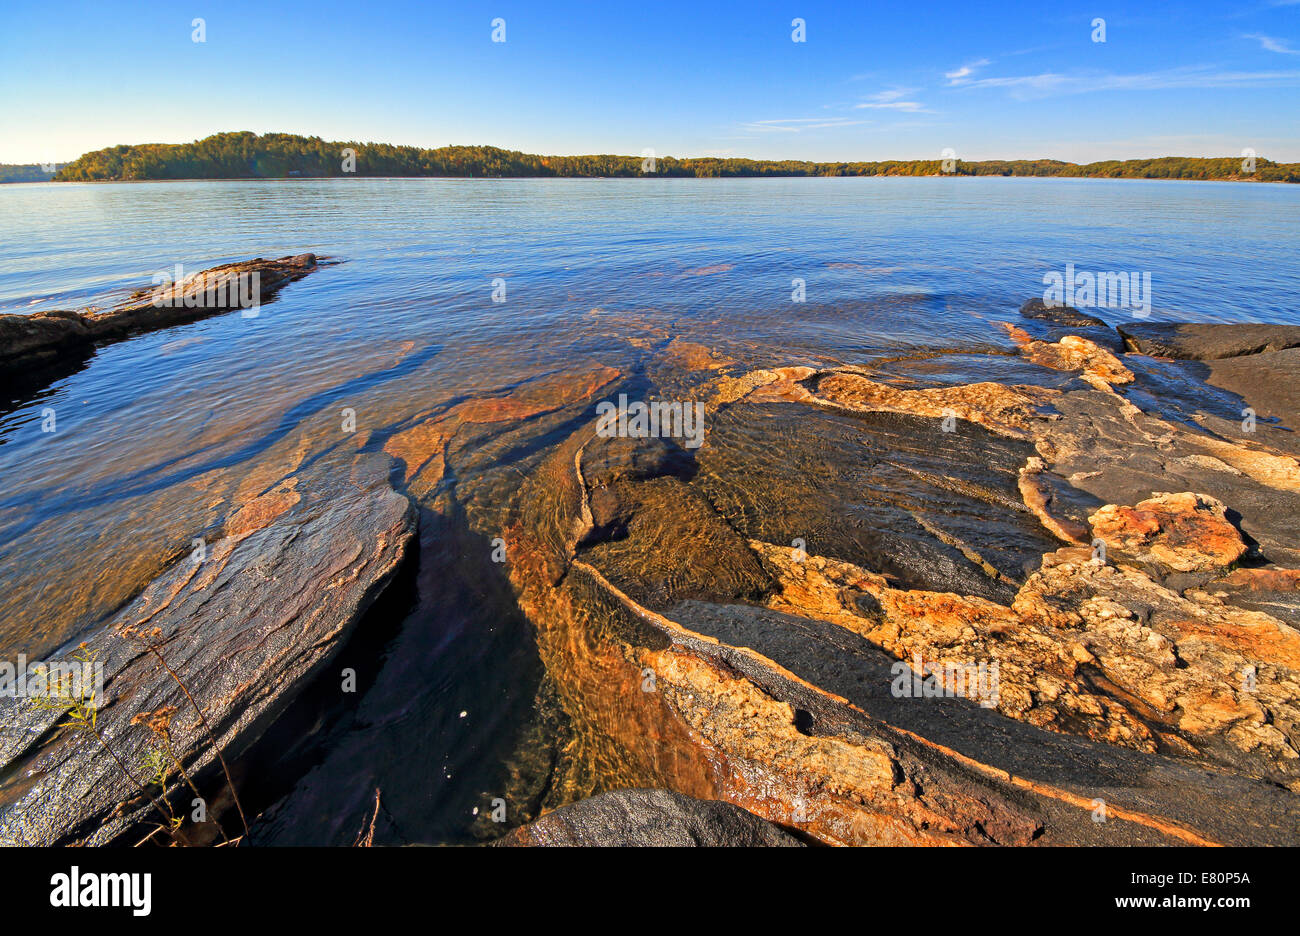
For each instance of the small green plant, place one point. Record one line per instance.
(163, 758)
(157, 768)
(159, 722)
(76, 700)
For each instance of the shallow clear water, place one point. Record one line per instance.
(597, 272)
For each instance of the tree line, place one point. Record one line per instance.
(246, 155)
(27, 172)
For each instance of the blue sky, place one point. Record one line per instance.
(871, 81)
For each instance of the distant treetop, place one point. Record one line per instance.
(246, 155)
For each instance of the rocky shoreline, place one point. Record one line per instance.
(1144, 698)
(43, 344)
(250, 624)
(743, 623)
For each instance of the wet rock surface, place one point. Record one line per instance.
(651, 818)
(779, 475)
(1096, 365)
(1037, 308)
(1269, 381)
(871, 608)
(933, 529)
(1206, 341)
(246, 630)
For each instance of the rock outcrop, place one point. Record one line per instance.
(874, 613)
(650, 818)
(1183, 532)
(42, 339)
(1037, 308)
(874, 607)
(1207, 341)
(1271, 590)
(1269, 381)
(246, 628)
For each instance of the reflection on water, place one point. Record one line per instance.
(160, 436)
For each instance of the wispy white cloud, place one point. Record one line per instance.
(799, 124)
(1196, 76)
(893, 99)
(1272, 44)
(961, 75)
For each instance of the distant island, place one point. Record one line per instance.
(246, 155)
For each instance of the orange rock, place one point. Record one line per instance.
(692, 356)
(1099, 366)
(1038, 498)
(1249, 634)
(1005, 410)
(424, 444)
(1184, 532)
(1263, 579)
(260, 511)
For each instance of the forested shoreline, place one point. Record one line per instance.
(26, 172)
(246, 155)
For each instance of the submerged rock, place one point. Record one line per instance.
(651, 818)
(866, 609)
(246, 630)
(1207, 341)
(1036, 308)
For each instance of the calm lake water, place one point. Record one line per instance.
(595, 272)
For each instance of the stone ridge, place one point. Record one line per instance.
(46, 339)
